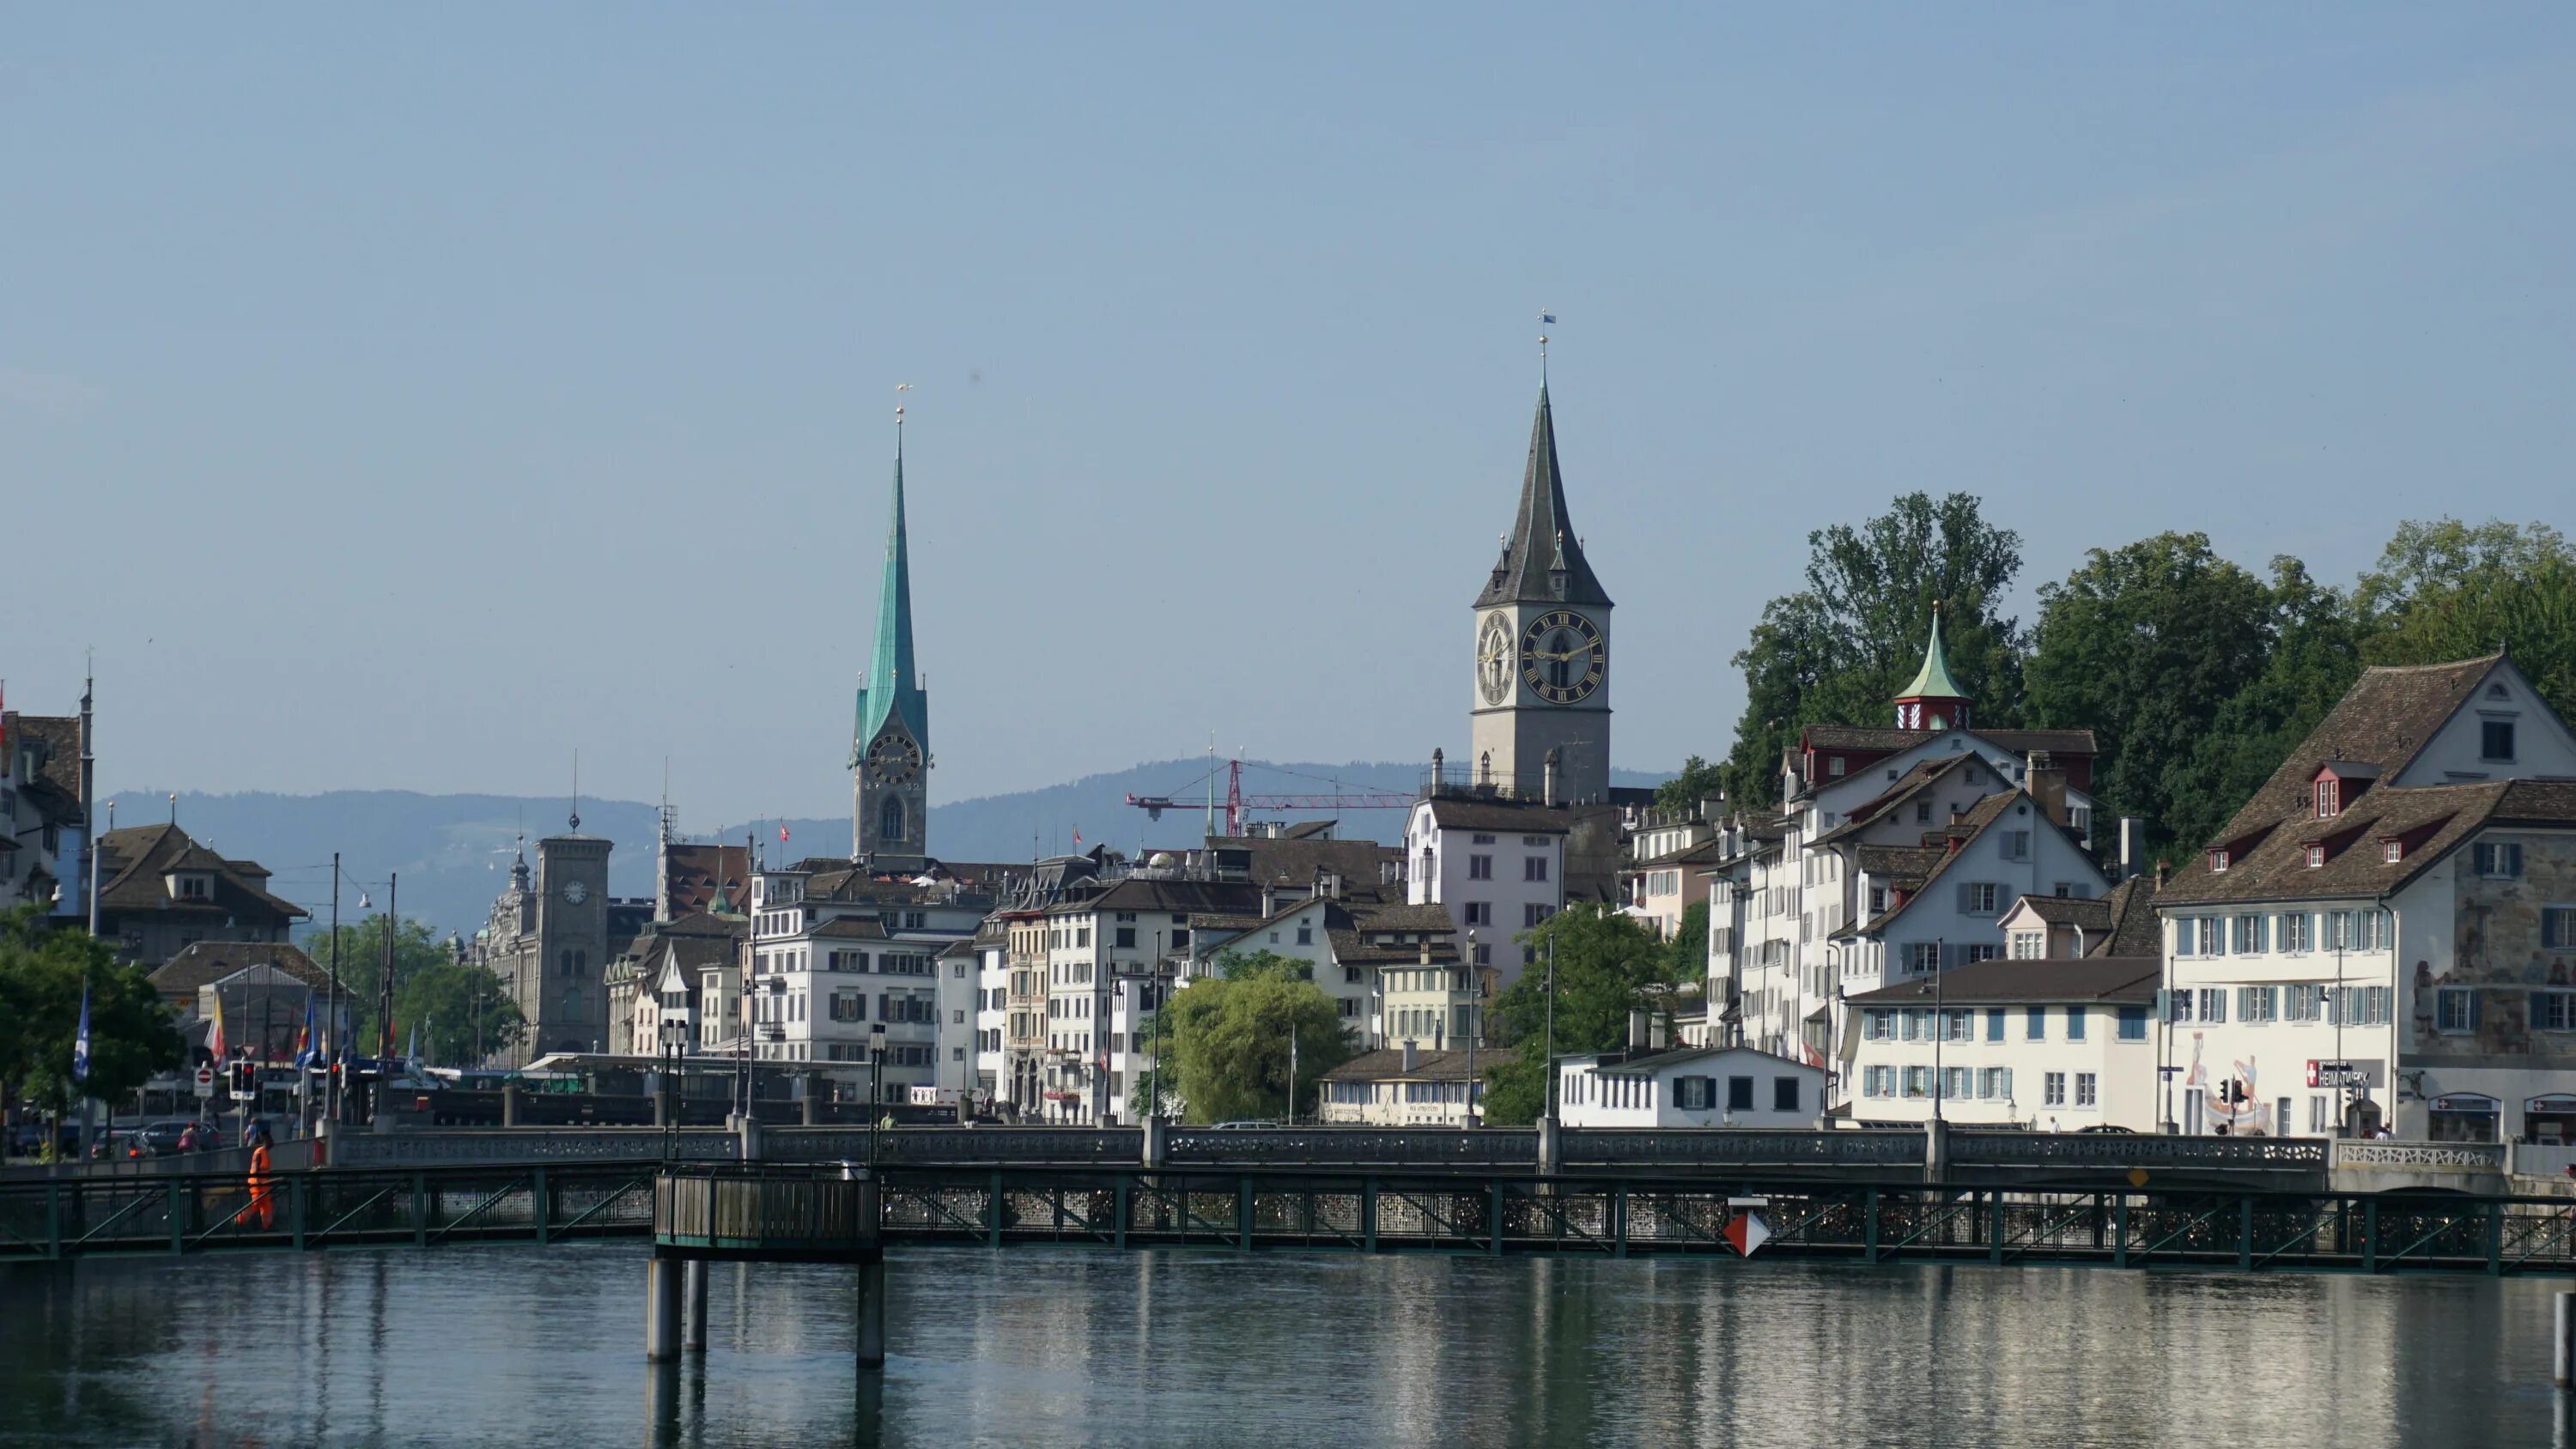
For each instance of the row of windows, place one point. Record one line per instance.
(2258, 1005)
(2457, 1010)
(1973, 1084)
(2254, 933)
(1960, 1023)
(1361, 1094)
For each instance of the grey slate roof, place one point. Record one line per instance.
(2020, 742)
(1499, 815)
(200, 962)
(1542, 533)
(2135, 928)
(2270, 863)
(1428, 1066)
(2093, 916)
(2123, 980)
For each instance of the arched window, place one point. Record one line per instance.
(1485, 768)
(580, 962)
(564, 963)
(890, 820)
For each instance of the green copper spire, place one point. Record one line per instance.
(891, 691)
(1933, 680)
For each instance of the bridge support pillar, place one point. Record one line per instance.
(509, 1104)
(693, 1278)
(2562, 1362)
(1551, 1149)
(747, 1127)
(1156, 1141)
(871, 1326)
(662, 1309)
(1936, 1149)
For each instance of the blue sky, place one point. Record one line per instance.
(406, 398)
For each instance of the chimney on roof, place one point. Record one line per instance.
(2160, 877)
(1426, 950)
(1547, 778)
(1640, 1030)
(2133, 844)
(2047, 785)
(1412, 1057)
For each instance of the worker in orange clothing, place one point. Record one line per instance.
(262, 1212)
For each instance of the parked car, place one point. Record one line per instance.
(2108, 1126)
(1244, 1123)
(161, 1139)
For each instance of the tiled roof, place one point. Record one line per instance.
(1656, 1058)
(201, 962)
(1350, 948)
(2431, 820)
(55, 786)
(1966, 829)
(1890, 741)
(1703, 853)
(1904, 865)
(2134, 930)
(695, 871)
(134, 860)
(1403, 917)
(1294, 860)
(2124, 980)
(1428, 1066)
(2387, 715)
(2093, 916)
(1132, 894)
(1524, 817)
(851, 928)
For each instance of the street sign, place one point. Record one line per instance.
(205, 1081)
(2343, 1074)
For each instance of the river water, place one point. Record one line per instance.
(522, 1346)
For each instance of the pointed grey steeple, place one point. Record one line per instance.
(1543, 559)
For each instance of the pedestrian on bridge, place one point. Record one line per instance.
(262, 1211)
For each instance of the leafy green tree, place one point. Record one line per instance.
(1227, 1039)
(462, 1011)
(2145, 644)
(1245, 965)
(1606, 966)
(361, 967)
(1838, 650)
(1686, 953)
(43, 968)
(2448, 590)
(1698, 781)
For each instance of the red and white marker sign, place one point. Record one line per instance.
(1746, 1232)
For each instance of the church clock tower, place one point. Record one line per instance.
(890, 744)
(1542, 686)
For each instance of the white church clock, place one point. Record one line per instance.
(893, 759)
(574, 893)
(1563, 659)
(1494, 658)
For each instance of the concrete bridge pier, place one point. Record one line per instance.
(662, 1308)
(693, 1279)
(872, 1305)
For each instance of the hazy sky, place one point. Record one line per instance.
(408, 396)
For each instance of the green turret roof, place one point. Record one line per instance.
(891, 689)
(1933, 680)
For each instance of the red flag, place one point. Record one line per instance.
(782, 833)
(1077, 835)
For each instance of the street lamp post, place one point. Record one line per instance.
(876, 1085)
(1550, 1097)
(1475, 998)
(1940, 1023)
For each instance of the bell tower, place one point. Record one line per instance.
(1934, 700)
(890, 741)
(1542, 648)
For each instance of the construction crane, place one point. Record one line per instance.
(1237, 803)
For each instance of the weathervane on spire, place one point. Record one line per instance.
(1546, 319)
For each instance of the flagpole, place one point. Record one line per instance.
(331, 1070)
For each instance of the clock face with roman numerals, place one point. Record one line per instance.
(1563, 659)
(894, 759)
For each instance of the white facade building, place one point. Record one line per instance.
(1404, 1087)
(2056, 1046)
(1497, 866)
(2386, 933)
(836, 952)
(1689, 1086)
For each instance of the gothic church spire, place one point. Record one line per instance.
(1542, 558)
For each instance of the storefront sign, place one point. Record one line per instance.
(2466, 1102)
(2549, 1104)
(2345, 1074)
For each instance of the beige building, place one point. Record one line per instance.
(2058, 1046)
(1403, 1087)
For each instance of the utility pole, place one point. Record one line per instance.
(89, 800)
(1550, 1097)
(1475, 997)
(385, 986)
(339, 1048)
(1940, 1023)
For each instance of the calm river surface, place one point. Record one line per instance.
(516, 1346)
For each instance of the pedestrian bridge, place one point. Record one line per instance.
(1965, 1157)
(1461, 1208)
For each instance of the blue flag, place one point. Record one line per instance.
(80, 1044)
(308, 1050)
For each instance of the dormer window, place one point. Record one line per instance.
(2329, 798)
(2218, 862)
(2392, 851)
(2316, 856)
(191, 885)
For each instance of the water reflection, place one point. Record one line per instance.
(515, 1346)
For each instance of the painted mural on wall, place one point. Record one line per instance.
(2497, 949)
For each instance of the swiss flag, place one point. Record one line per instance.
(1745, 1233)
(782, 834)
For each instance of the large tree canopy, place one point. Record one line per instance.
(1838, 650)
(1606, 965)
(43, 969)
(1227, 1039)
